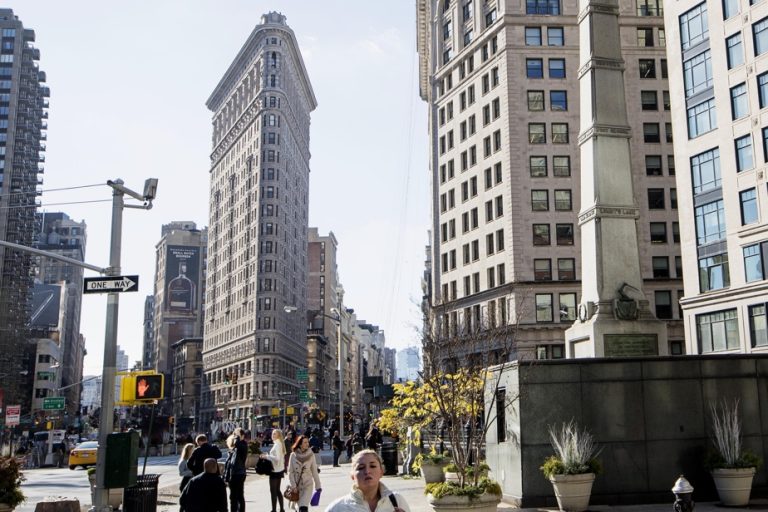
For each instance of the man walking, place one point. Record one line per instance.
(206, 492)
(337, 446)
(203, 451)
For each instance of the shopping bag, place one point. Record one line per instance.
(315, 501)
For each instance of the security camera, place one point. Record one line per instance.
(150, 189)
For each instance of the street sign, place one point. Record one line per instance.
(53, 403)
(302, 375)
(303, 395)
(12, 415)
(111, 284)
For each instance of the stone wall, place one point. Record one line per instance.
(650, 416)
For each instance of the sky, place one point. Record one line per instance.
(129, 82)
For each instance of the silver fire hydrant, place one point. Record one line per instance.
(683, 491)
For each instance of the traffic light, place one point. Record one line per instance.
(149, 387)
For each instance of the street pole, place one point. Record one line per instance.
(283, 403)
(341, 374)
(106, 419)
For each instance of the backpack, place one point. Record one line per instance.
(229, 465)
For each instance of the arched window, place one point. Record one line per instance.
(446, 5)
(273, 59)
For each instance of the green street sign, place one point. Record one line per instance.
(53, 403)
(302, 375)
(303, 395)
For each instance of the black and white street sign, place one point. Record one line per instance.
(111, 284)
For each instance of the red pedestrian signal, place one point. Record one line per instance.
(149, 387)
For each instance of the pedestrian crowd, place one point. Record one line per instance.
(294, 457)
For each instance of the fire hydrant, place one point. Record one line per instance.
(683, 491)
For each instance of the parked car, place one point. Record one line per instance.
(83, 455)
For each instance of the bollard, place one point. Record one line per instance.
(683, 491)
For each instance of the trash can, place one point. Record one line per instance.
(141, 497)
(389, 456)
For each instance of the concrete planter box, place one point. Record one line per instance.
(483, 503)
(432, 472)
(573, 491)
(115, 495)
(734, 485)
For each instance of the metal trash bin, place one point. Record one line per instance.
(141, 497)
(389, 456)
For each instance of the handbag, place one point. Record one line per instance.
(264, 467)
(291, 493)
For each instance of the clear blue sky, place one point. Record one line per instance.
(128, 88)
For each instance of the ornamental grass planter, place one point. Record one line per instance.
(734, 485)
(573, 491)
(484, 503)
(432, 473)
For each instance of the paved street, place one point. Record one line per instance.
(335, 482)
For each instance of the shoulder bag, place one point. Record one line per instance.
(291, 493)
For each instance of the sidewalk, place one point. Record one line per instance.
(337, 482)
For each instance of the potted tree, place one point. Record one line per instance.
(573, 467)
(732, 466)
(462, 374)
(10, 484)
(254, 449)
(432, 464)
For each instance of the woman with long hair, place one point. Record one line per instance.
(277, 456)
(238, 451)
(184, 472)
(302, 472)
(368, 493)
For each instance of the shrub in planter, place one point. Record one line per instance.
(10, 482)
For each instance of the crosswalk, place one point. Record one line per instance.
(165, 460)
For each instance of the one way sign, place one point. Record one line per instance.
(111, 284)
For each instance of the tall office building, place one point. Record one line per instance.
(501, 80)
(180, 270)
(408, 364)
(148, 343)
(58, 234)
(718, 82)
(23, 100)
(257, 247)
(322, 332)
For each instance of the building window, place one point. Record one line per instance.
(656, 199)
(538, 166)
(555, 36)
(671, 164)
(490, 17)
(560, 133)
(535, 101)
(561, 166)
(539, 200)
(544, 307)
(537, 133)
(533, 36)
(534, 68)
(556, 68)
(705, 168)
(541, 234)
(651, 132)
(501, 421)
(645, 36)
(558, 100)
(760, 34)
(563, 200)
(665, 100)
(758, 330)
(658, 232)
(694, 28)
(697, 73)
(744, 159)
(701, 118)
(542, 269)
(653, 165)
(710, 222)
(740, 102)
(748, 202)
(660, 267)
(550, 7)
(713, 273)
(735, 50)
(567, 307)
(663, 301)
(730, 8)
(564, 233)
(650, 8)
(566, 269)
(649, 100)
(647, 68)
(718, 331)
(753, 262)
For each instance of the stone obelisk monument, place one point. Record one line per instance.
(614, 316)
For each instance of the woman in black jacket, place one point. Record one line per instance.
(235, 473)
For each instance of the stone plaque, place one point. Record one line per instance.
(630, 345)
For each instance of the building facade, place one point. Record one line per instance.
(408, 364)
(148, 343)
(23, 104)
(58, 234)
(501, 80)
(255, 308)
(186, 378)
(718, 82)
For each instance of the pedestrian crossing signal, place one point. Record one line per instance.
(149, 387)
